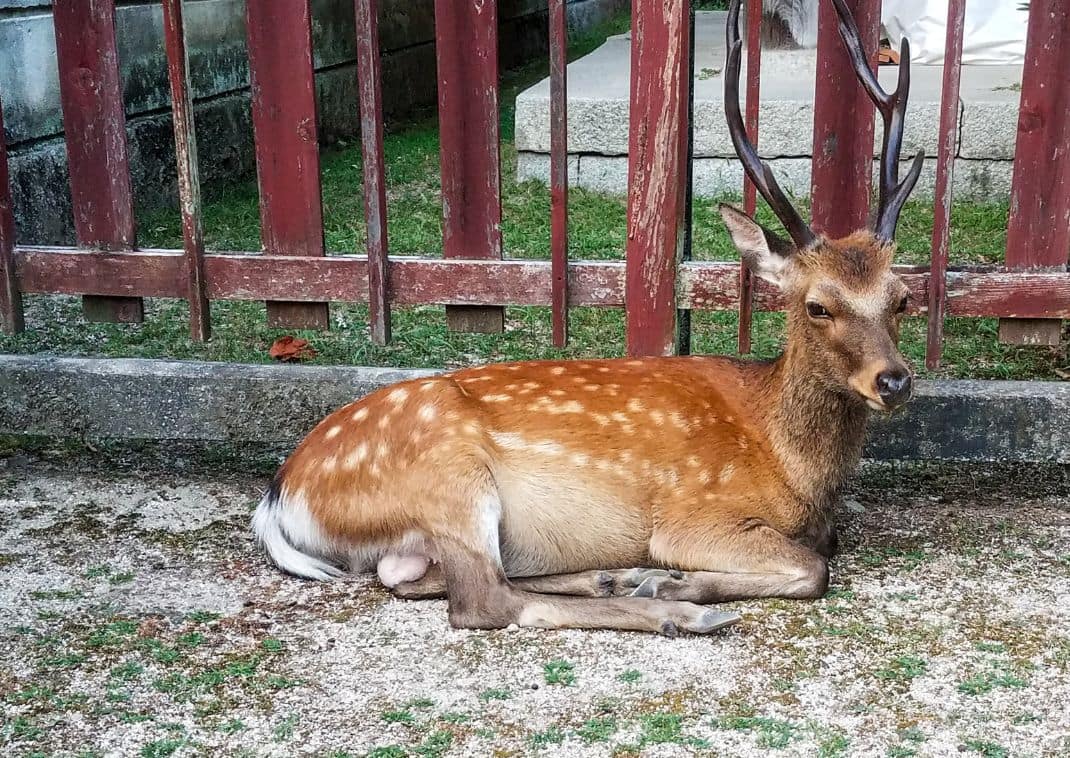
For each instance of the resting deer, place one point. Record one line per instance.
(535, 493)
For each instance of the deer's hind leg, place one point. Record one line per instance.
(481, 597)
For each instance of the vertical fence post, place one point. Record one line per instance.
(750, 196)
(842, 166)
(282, 80)
(369, 80)
(945, 165)
(189, 182)
(466, 48)
(94, 125)
(1038, 230)
(559, 171)
(11, 321)
(657, 152)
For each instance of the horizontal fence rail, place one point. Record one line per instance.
(292, 273)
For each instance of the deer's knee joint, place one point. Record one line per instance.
(813, 579)
(495, 609)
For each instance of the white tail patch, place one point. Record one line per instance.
(292, 538)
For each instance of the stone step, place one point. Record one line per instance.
(598, 92)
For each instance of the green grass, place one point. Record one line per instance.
(903, 669)
(559, 672)
(596, 232)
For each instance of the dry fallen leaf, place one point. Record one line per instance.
(290, 348)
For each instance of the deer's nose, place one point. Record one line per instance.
(894, 386)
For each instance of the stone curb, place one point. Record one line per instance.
(138, 399)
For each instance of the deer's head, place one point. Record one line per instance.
(844, 303)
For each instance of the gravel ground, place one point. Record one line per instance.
(136, 618)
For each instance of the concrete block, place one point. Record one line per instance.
(131, 399)
(537, 166)
(979, 181)
(599, 96)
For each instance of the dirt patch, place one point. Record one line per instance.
(136, 618)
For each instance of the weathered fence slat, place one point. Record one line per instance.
(189, 182)
(11, 320)
(559, 169)
(977, 291)
(945, 166)
(1038, 231)
(466, 48)
(287, 146)
(750, 196)
(657, 152)
(843, 125)
(94, 125)
(369, 80)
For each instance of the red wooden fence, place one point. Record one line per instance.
(473, 280)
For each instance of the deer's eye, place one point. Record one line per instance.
(903, 304)
(817, 310)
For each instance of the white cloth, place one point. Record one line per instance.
(994, 33)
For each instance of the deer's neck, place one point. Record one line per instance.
(816, 432)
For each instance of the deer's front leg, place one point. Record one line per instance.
(749, 561)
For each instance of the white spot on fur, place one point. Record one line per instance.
(427, 413)
(333, 432)
(558, 393)
(557, 370)
(635, 405)
(497, 398)
(600, 418)
(360, 414)
(727, 473)
(508, 440)
(398, 396)
(693, 461)
(657, 417)
(354, 459)
(580, 459)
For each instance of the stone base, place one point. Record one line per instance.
(598, 90)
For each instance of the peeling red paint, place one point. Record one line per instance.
(287, 153)
(843, 126)
(656, 155)
(980, 291)
(466, 49)
(1038, 230)
(189, 184)
(11, 318)
(945, 165)
(559, 170)
(369, 78)
(94, 122)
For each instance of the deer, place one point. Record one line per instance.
(630, 493)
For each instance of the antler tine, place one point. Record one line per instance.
(892, 193)
(756, 169)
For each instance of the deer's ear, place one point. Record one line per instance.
(766, 255)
